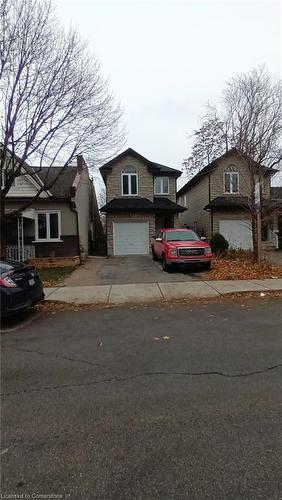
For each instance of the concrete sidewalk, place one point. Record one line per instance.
(146, 292)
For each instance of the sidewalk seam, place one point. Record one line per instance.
(56, 289)
(108, 298)
(160, 290)
(260, 284)
(213, 288)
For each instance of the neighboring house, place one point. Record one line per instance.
(140, 200)
(62, 221)
(217, 201)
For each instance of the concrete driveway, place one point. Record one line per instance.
(128, 270)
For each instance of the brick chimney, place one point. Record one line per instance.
(80, 163)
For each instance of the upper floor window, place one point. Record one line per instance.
(48, 226)
(3, 179)
(231, 181)
(183, 200)
(129, 181)
(161, 185)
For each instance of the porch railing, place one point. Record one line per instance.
(13, 252)
(273, 238)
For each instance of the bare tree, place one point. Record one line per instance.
(209, 143)
(250, 119)
(55, 103)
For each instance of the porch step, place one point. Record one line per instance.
(268, 246)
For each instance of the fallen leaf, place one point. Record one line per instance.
(242, 266)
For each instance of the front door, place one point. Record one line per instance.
(164, 221)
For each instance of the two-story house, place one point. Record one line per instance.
(141, 199)
(217, 200)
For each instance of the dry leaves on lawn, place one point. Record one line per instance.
(242, 269)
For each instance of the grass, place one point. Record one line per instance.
(53, 275)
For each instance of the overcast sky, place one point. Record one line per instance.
(165, 60)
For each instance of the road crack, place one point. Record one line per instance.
(145, 374)
(60, 356)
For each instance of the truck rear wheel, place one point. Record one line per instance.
(154, 256)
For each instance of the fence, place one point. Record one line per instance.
(13, 252)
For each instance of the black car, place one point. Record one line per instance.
(20, 287)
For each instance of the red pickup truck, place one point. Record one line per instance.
(180, 246)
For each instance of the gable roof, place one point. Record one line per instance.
(62, 177)
(155, 168)
(211, 166)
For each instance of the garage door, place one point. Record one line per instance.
(238, 233)
(131, 238)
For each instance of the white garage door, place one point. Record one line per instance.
(131, 238)
(238, 233)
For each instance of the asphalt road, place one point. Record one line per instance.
(94, 407)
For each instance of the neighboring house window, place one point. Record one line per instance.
(3, 179)
(161, 185)
(231, 182)
(183, 200)
(129, 182)
(48, 226)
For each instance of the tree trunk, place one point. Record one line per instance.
(254, 235)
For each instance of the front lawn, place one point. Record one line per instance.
(241, 266)
(52, 276)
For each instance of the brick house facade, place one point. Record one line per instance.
(140, 200)
(217, 200)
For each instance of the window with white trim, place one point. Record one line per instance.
(48, 225)
(161, 185)
(129, 182)
(231, 182)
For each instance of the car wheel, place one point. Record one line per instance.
(207, 266)
(164, 264)
(154, 256)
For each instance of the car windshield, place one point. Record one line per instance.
(181, 236)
